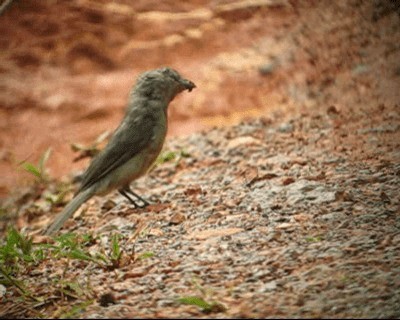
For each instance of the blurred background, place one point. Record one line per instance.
(66, 67)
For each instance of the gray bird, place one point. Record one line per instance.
(135, 144)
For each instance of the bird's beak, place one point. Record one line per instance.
(187, 84)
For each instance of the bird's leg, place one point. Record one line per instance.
(127, 193)
(145, 203)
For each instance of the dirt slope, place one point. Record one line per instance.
(65, 77)
(294, 212)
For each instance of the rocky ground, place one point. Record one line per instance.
(292, 212)
(265, 219)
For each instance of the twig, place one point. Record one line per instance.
(5, 5)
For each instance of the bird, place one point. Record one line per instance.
(134, 145)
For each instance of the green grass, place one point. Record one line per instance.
(167, 156)
(18, 254)
(145, 255)
(204, 300)
(20, 258)
(17, 250)
(39, 171)
(314, 239)
(206, 307)
(116, 252)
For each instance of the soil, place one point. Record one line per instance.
(284, 200)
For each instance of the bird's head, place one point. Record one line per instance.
(164, 83)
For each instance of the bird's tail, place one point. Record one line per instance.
(71, 207)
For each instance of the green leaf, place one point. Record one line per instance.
(17, 240)
(67, 240)
(115, 248)
(202, 304)
(80, 255)
(145, 255)
(195, 301)
(185, 154)
(166, 156)
(313, 239)
(38, 171)
(87, 239)
(73, 287)
(31, 168)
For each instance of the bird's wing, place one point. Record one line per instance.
(121, 148)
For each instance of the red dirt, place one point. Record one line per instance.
(67, 65)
